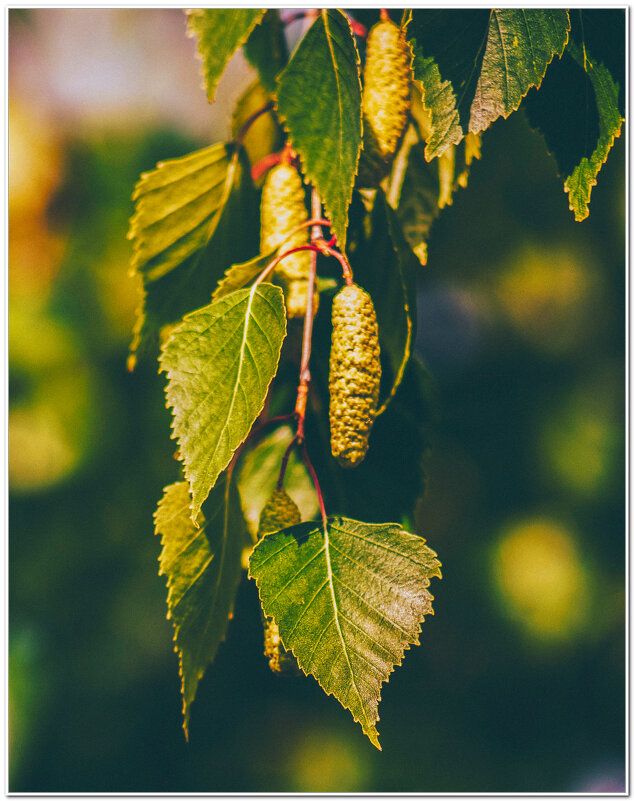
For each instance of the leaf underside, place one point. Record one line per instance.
(348, 600)
(220, 32)
(580, 182)
(203, 569)
(319, 99)
(220, 361)
(189, 225)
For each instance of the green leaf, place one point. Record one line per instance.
(239, 275)
(220, 361)
(203, 569)
(266, 49)
(475, 65)
(192, 220)
(220, 32)
(258, 474)
(578, 106)
(606, 93)
(521, 44)
(348, 599)
(387, 269)
(319, 99)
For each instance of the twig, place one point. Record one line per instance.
(284, 463)
(316, 237)
(315, 480)
(269, 269)
(250, 120)
(261, 166)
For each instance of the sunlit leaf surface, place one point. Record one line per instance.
(220, 362)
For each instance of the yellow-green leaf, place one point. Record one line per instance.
(190, 224)
(580, 182)
(220, 361)
(203, 567)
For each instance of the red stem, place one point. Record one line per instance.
(315, 481)
(284, 464)
(357, 28)
(316, 236)
(269, 269)
(261, 166)
(250, 120)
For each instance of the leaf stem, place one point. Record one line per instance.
(270, 267)
(284, 463)
(315, 480)
(265, 164)
(316, 238)
(345, 264)
(250, 120)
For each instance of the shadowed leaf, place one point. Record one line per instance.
(475, 66)
(266, 49)
(203, 569)
(387, 269)
(258, 476)
(521, 44)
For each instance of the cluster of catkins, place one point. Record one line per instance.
(355, 367)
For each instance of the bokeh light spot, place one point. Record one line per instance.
(541, 579)
(545, 292)
(324, 762)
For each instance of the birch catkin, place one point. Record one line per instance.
(280, 511)
(386, 98)
(282, 209)
(355, 374)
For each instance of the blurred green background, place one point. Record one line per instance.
(519, 684)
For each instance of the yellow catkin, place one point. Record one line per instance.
(278, 512)
(282, 209)
(386, 98)
(355, 374)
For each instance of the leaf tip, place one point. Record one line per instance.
(373, 735)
